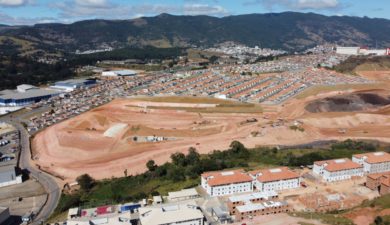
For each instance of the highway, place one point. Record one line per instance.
(46, 180)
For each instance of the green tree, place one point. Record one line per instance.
(192, 157)
(86, 182)
(151, 165)
(179, 159)
(378, 220)
(176, 173)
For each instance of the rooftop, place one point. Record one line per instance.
(275, 174)
(226, 177)
(252, 196)
(374, 157)
(169, 214)
(338, 164)
(182, 193)
(260, 206)
(28, 94)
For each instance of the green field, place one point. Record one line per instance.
(223, 106)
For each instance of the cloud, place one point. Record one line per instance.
(317, 4)
(7, 19)
(202, 9)
(13, 3)
(92, 3)
(74, 10)
(298, 4)
(82, 9)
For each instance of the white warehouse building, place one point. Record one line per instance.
(275, 179)
(337, 169)
(183, 214)
(373, 162)
(226, 182)
(119, 73)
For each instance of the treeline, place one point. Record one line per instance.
(184, 170)
(349, 65)
(146, 53)
(15, 70)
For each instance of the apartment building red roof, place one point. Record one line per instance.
(338, 164)
(218, 178)
(275, 174)
(374, 157)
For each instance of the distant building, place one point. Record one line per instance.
(347, 50)
(25, 95)
(72, 84)
(119, 73)
(250, 210)
(337, 169)
(256, 197)
(379, 182)
(185, 214)
(184, 194)
(220, 183)
(373, 162)
(8, 176)
(275, 179)
(361, 51)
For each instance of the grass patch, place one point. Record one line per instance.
(318, 89)
(327, 218)
(191, 99)
(222, 105)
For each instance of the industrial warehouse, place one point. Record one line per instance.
(25, 95)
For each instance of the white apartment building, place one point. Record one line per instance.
(220, 183)
(347, 50)
(183, 214)
(275, 179)
(373, 162)
(337, 169)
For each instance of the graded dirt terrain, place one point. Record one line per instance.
(117, 136)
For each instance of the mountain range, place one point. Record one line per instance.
(288, 31)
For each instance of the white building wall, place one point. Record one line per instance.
(347, 50)
(374, 167)
(342, 174)
(226, 189)
(230, 189)
(277, 185)
(18, 180)
(318, 169)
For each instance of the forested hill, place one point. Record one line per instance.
(288, 30)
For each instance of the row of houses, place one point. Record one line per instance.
(220, 183)
(360, 165)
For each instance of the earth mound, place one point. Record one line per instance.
(358, 101)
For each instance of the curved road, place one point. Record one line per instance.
(48, 182)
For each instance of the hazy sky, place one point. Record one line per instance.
(67, 11)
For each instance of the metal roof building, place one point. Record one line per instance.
(171, 214)
(119, 73)
(72, 84)
(8, 176)
(25, 95)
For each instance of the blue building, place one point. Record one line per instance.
(72, 84)
(25, 95)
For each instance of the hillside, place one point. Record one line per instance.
(289, 31)
(363, 63)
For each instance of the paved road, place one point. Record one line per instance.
(47, 181)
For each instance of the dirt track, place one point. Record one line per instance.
(78, 145)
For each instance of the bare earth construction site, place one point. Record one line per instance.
(126, 133)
